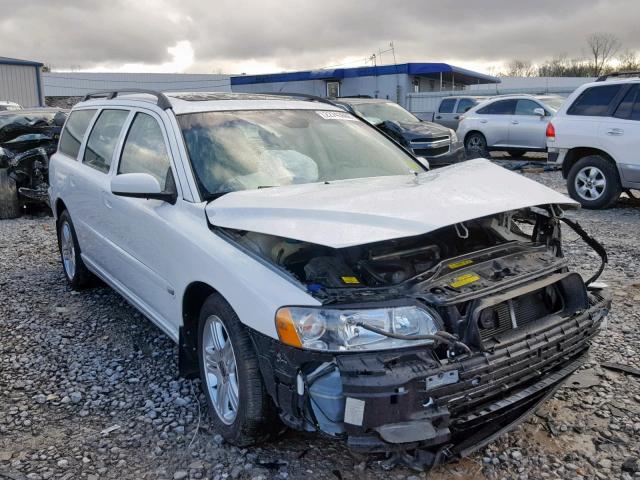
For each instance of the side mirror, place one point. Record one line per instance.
(424, 162)
(539, 111)
(140, 185)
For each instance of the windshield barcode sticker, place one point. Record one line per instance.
(327, 115)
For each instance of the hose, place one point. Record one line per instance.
(438, 337)
(593, 243)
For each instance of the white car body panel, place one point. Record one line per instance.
(355, 212)
(151, 251)
(154, 255)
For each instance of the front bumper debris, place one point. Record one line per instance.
(419, 409)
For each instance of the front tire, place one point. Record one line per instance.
(594, 182)
(241, 409)
(76, 272)
(476, 146)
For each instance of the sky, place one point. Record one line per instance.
(262, 36)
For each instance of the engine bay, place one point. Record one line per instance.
(498, 247)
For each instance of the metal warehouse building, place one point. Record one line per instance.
(20, 82)
(78, 84)
(393, 82)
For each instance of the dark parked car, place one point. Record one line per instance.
(438, 144)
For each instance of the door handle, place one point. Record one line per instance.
(514, 122)
(438, 117)
(484, 121)
(457, 117)
(615, 132)
(106, 200)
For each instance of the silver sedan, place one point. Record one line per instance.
(511, 123)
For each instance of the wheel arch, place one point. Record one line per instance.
(194, 297)
(575, 154)
(59, 207)
(471, 132)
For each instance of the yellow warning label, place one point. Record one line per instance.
(461, 263)
(350, 280)
(465, 279)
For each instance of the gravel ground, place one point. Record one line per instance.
(89, 389)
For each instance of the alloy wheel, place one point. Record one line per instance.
(590, 183)
(476, 144)
(68, 250)
(221, 373)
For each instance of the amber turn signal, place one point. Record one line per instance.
(286, 329)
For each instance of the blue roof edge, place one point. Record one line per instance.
(17, 61)
(340, 73)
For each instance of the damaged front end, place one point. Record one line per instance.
(27, 139)
(426, 348)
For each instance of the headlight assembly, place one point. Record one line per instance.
(454, 136)
(344, 330)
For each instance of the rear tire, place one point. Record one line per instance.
(76, 272)
(594, 182)
(475, 146)
(245, 414)
(9, 204)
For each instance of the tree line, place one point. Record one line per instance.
(604, 55)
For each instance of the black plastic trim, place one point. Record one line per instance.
(162, 102)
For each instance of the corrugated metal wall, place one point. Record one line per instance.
(75, 84)
(19, 83)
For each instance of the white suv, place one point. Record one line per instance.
(595, 136)
(312, 272)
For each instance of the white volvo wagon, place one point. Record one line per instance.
(315, 274)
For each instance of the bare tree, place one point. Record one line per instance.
(628, 61)
(603, 47)
(520, 68)
(562, 66)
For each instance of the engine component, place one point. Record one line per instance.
(330, 272)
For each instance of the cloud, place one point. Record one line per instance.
(255, 35)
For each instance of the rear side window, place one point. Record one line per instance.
(145, 152)
(595, 101)
(446, 106)
(501, 107)
(103, 139)
(629, 108)
(465, 104)
(526, 107)
(74, 131)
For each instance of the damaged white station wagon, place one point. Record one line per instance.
(313, 271)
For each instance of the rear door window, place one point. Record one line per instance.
(145, 151)
(465, 104)
(501, 107)
(526, 107)
(74, 131)
(446, 106)
(629, 105)
(103, 139)
(595, 101)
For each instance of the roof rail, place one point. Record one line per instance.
(305, 96)
(602, 78)
(357, 96)
(163, 102)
